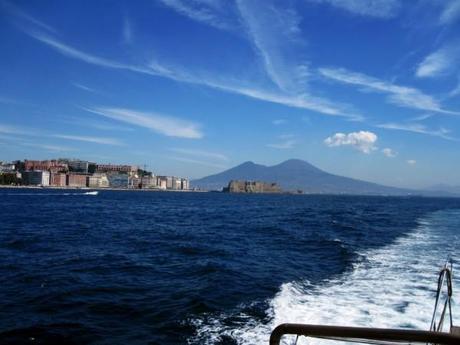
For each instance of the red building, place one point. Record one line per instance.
(50, 165)
(76, 180)
(58, 179)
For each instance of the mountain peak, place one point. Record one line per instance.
(292, 175)
(295, 165)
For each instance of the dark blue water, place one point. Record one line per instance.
(149, 268)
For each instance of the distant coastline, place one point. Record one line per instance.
(102, 189)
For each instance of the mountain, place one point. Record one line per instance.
(444, 188)
(296, 174)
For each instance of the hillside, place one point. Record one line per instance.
(295, 174)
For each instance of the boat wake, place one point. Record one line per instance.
(394, 287)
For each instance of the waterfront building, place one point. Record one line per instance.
(7, 167)
(118, 180)
(76, 180)
(48, 165)
(149, 181)
(10, 178)
(176, 183)
(97, 181)
(116, 168)
(79, 166)
(58, 179)
(36, 178)
(169, 182)
(162, 182)
(185, 184)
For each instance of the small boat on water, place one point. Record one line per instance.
(95, 192)
(387, 336)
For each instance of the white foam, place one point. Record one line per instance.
(394, 287)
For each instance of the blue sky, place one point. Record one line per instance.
(366, 89)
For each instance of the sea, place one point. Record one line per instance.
(126, 267)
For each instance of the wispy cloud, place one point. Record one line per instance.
(389, 152)
(411, 162)
(371, 8)
(456, 90)
(451, 12)
(100, 125)
(166, 125)
(84, 87)
(279, 122)
(302, 101)
(25, 17)
(75, 53)
(418, 128)
(127, 32)
(198, 162)
(440, 62)
(50, 148)
(207, 12)
(285, 145)
(14, 130)
(275, 34)
(7, 100)
(95, 140)
(363, 141)
(399, 95)
(422, 117)
(200, 153)
(21, 141)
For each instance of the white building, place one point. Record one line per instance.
(36, 178)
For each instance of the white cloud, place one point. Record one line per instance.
(418, 128)
(95, 140)
(363, 141)
(399, 95)
(389, 152)
(166, 125)
(440, 62)
(451, 12)
(285, 145)
(411, 162)
(200, 153)
(372, 8)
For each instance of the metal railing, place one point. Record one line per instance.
(363, 334)
(435, 335)
(444, 283)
